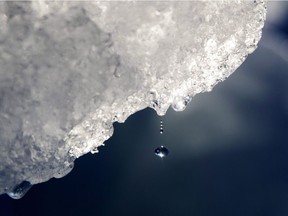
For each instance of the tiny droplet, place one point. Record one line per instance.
(161, 127)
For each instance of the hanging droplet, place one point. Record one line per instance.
(181, 104)
(161, 151)
(20, 190)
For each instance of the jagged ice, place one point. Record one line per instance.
(68, 70)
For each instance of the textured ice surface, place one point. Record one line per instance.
(68, 70)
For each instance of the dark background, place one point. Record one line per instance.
(228, 152)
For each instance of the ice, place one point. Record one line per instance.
(20, 190)
(68, 70)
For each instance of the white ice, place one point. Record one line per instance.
(68, 70)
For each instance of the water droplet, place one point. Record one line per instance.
(161, 127)
(161, 151)
(181, 104)
(20, 190)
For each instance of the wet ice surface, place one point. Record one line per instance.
(69, 69)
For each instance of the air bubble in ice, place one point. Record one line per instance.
(161, 151)
(20, 190)
(117, 72)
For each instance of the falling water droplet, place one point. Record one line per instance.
(161, 127)
(20, 190)
(161, 151)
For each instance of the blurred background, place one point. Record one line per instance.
(228, 151)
